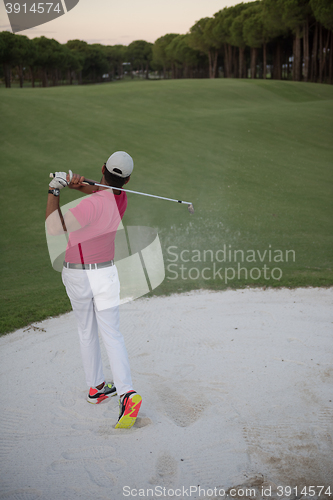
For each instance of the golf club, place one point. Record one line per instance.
(189, 204)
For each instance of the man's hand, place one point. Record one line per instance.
(76, 182)
(61, 180)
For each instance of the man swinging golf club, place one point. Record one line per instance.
(91, 278)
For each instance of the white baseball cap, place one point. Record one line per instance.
(120, 164)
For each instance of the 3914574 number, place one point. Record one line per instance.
(35, 8)
(311, 491)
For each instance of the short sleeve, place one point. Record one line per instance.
(84, 212)
(121, 201)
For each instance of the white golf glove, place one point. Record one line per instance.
(59, 181)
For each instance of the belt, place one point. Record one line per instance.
(100, 265)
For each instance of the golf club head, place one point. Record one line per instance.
(190, 208)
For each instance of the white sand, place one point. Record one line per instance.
(237, 390)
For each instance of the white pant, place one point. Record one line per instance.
(94, 295)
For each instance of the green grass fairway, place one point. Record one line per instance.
(254, 157)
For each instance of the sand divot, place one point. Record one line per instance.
(166, 470)
(179, 408)
(142, 422)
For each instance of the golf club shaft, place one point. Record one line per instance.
(137, 192)
(129, 191)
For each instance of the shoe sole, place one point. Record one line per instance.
(100, 399)
(128, 420)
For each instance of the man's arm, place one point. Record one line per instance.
(54, 219)
(55, 222)
(76, 183)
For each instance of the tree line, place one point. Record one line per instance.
(280, 39)
(48, 62)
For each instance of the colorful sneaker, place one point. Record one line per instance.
(129, 408)
(96, 396)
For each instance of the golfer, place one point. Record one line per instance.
(91, 279)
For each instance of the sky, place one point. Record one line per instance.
(112, 22)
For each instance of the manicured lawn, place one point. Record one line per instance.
(254, 157)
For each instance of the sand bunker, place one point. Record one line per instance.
(237, 394)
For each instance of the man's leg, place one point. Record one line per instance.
(107, 314)
(79, 292)
(89, 343)
(108, 324)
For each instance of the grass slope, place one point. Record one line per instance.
(254, 157)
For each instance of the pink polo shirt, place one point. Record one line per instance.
(99, 217)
